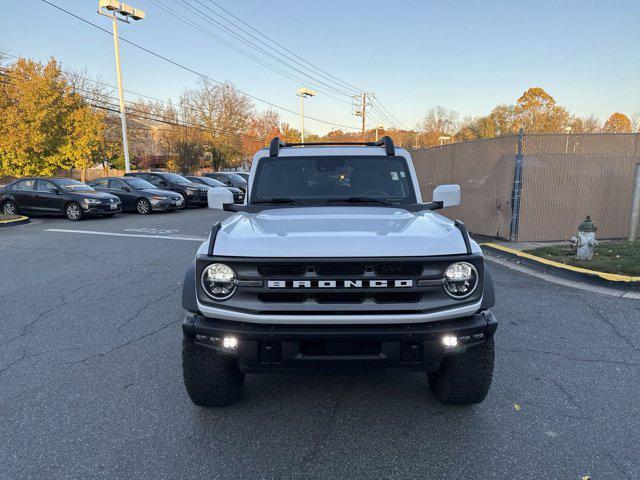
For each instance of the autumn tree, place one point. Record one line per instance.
(437, 122)
(46, 126)
(537, 112)
(587, 124)
(262, 127)
(617, 123)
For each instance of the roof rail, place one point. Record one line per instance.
(386, 142)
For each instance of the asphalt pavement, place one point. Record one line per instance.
(91, 383)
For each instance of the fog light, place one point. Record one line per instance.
(229, 342)
(450, 341)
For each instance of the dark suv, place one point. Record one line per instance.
(231, 179)
(238, 195)
(57, 196)
(193, 195)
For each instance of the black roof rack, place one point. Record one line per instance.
(386, 142)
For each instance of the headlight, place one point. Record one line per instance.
(219, 281)
(461, 279)
(91, 200)
(158, 197)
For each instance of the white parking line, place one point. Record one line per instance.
(92, 232)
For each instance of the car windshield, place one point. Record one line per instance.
(139, 184)
(175, 178)
(317, 180)
(212, 182)
(236, 178)
(74, 186)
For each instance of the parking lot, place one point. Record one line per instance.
(91, 382)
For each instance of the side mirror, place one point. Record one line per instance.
(217, 198)
(449, 195)
(54, 190)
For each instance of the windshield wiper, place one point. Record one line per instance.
(359, 200)
(283, 200)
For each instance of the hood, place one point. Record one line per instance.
(157, 191)
(338, 231)
(98, 195)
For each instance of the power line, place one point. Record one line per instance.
(282, 46)
(391, 115)
(257, 47)
(191, 70)
(241, 51)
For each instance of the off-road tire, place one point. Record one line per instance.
(69, 213)
(465, 378)
(211, 380)
(143, 206)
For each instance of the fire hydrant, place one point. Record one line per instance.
(586, 239)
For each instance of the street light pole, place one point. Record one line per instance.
(113, 9)
(303, 93)
(123, 117)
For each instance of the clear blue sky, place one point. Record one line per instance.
(467, 56)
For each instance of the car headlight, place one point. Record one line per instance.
(219, 281)
(461, 279)
(158, 197)
(91, 200)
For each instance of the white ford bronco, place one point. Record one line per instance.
(335, 264)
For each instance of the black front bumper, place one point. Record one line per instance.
(331, 348)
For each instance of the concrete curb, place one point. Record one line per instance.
(14, 222)
(612, 280)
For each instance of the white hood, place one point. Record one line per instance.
(335, 231)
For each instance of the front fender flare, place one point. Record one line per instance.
(488, 294)
(189, 299)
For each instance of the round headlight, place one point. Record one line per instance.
(461, 279)
(219, 281)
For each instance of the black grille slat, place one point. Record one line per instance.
(282, 269)
(397, 297)
(340, 269)
(395, 269)
(340, 297)
(282, 297)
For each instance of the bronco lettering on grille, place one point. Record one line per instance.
(339, 283)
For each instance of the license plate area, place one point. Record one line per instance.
(114, 207)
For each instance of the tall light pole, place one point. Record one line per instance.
(303, 93)
(566, 147)
(120, 12)
(443, 138)
(378, 126)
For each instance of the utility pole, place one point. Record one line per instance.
(115, 8)
(360, 109)
(635, 206)
(303, 93)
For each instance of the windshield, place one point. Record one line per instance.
(212, 182)
(175, 178)
(236, 178)
(139, 184)
(334, 179)
(74, 186)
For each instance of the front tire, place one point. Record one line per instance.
(9, 208)
(464, 378)
(73, 211)
(143, 206)
(211, 379)
(184, 200)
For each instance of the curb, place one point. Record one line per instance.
(14, 222)
(621, 282)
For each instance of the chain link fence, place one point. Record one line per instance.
(564, 178)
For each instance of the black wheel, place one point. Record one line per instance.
(9, 208)
(211, 380)
(143, 207)
(465, 378)
(184, 200)
(73, 211)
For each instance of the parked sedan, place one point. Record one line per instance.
(138, 195)
(57, 196)
(192, 194)
(238, 195)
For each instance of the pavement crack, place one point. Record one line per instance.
(602, 317)
(328, 425)
(122, 345)
(568, 357)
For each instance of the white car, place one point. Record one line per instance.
(334, 263)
